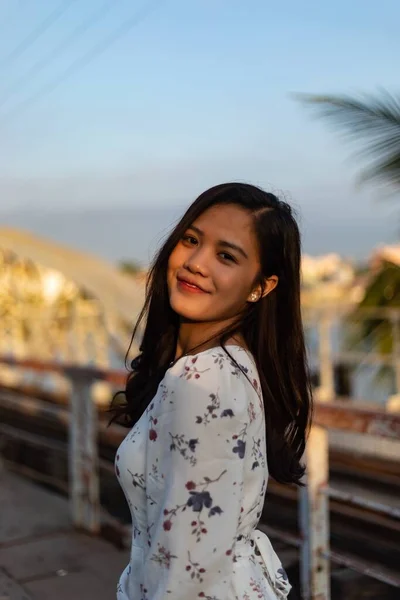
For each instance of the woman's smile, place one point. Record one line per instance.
(187, 284)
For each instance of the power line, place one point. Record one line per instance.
(43, 62)
(78, 64)
(36, 33)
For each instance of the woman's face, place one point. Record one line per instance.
(213, 269)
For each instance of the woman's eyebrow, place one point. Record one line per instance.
(233, 247)
(223, 243)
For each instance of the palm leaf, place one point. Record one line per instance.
(373, 122)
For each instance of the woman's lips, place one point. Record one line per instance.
(185, 286)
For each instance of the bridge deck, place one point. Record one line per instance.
(42, 557)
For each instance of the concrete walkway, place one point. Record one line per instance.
(42, 557)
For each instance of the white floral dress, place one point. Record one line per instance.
(194, 472)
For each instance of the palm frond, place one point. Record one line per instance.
(374, 123)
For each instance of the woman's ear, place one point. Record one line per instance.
(261, 291)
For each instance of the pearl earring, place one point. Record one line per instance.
(254, 297)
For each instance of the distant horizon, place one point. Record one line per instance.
(123, 233)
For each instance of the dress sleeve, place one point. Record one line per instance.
(195, 480)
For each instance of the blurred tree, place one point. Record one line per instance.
(375, 333)
(130, 267)
(373, 121)
(383, 291)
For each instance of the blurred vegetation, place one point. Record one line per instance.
(130, 267)
(373, 122)
(375, 334)
(382, 292)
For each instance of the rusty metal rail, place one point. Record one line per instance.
(337, 415)
(314, 505)
(86, 429)
(349, 498)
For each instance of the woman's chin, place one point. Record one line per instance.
(188, 313)
(187, 316)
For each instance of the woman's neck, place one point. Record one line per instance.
(197, 337)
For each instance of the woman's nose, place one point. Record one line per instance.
(198, 262)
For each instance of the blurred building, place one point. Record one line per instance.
(328, 278)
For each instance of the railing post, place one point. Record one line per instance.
(83, 454)
(396, 349)
(314, 519)
(326, 391)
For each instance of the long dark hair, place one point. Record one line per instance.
(271, 328)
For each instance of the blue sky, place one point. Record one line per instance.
(197, 93)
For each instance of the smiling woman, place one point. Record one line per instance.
(218, 260)
(218, 400)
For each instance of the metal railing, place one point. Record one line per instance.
(314, 519)
(85, 428)
(315, 553)
(324, 321)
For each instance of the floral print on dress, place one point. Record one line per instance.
(257, 454)
(195, 481)
(198, 499)
(186, 448)
(191, 370)
(163, 557)
(211, 410)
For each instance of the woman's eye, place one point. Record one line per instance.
(227, 256)
(189, 239)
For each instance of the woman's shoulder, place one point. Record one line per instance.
(231, 361)
(232, 372)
